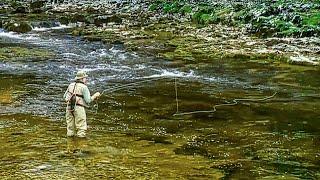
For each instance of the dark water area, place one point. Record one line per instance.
(133, 133)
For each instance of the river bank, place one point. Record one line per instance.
(148, 28)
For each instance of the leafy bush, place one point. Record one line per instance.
(186, 9)
(275, 18)
(313, 20)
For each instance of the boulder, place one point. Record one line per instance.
(64, 19)
(78, 18)
(90, 19)
(37, 6)
(21, 27)
(100, 20)
(20, 9)
(45, 24)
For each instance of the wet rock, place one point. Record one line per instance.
(78, 18)
(20, 9)
(89, 19)
(6, 95)
(192, 149)
(227, 167)
(64, 19)
(303, 60)
(100, 20)
(17, 133)
(37, 6)
(154, 138)
(45, 24)
(15, 53)
(21, 27)
(38, 168)
(76, 32)
(93, 38)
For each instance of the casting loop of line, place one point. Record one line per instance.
(177, 113)
(235, 102)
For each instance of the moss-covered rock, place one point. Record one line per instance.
(12, 53)
(37, 6)
(267, 18)
(100, 20)
(21, 27)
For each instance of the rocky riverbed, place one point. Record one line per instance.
(172, 36)
(140, 132)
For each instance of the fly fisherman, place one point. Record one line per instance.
(78, 97)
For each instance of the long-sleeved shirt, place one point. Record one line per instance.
(80, 89)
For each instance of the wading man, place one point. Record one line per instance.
(78, 97)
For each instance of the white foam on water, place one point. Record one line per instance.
(70, 55)
(186, 75)
(175, 73)
(140, 67)
(122, 56)
(114, 50)
(64, 66)
(107, 78)
(91, 69)
(12, 35)
(103, 53)
(116, 68)
(107, 67)
(217, 79)
(32, 37)
(39, 29)
(99, 53)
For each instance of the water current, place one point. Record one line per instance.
(133, 133)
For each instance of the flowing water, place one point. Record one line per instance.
(133, 133)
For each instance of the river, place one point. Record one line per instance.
(134, 132)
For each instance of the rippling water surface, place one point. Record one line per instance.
(133, 132)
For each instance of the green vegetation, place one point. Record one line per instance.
(9, 53)
(297, 18)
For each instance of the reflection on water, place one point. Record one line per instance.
(133, 133)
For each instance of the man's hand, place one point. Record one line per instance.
(96, 95)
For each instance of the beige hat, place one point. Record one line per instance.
(81, 74)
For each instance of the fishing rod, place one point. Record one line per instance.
(116, 88)
(131, 84)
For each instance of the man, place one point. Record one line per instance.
(78, 97)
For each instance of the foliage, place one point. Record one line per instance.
(186, 9)
(313, 20)
(204, 15)
(171, 6)
(15, 3)
(269, 18)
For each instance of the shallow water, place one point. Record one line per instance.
(133, 133)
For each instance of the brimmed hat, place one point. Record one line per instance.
(81, 74)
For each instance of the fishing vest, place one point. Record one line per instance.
(74, 95)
